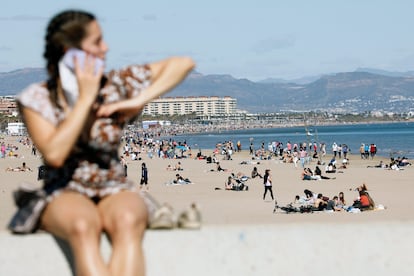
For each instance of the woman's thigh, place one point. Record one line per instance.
(69, 212)
(122, 210)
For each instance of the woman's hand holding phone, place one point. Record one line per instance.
(80, 56)
(88, 71)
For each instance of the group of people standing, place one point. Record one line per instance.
(367, 151)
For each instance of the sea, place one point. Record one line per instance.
(391, 139)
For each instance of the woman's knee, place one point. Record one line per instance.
(85, 227)
(131, 219)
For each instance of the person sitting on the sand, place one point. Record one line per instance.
(230, 184)
(341, 200)
(255, 173)
(235, 183)
(332, 205)
(330, 168)
(319, 204)
(209, 159)
(307, 174)
(219, 168)
(364, 202)
(178, 167)
(310, 197)
(200, 156)
(345, 163)
(23, 168)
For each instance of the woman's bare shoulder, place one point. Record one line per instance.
(36, 97)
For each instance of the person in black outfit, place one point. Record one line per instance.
(267, 182)
(144, 176)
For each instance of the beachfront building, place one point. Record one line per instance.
(16, 129)
(202, 106)
(8, 105)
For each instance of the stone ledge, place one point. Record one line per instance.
(288, 249)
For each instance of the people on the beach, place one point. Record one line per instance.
(75, 119)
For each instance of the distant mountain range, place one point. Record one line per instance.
(359, 91)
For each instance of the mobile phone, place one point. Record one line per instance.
(80, 57)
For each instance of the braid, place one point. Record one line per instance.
(65, 30)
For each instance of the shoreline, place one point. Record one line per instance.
(224, 127)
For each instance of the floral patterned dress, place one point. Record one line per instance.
(93, 167)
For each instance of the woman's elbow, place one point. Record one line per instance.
(185, 63)
(189, 62)
(54, 160)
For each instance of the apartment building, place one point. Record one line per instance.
(8, 105)
(203, 105)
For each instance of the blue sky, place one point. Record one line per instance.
(246, 39)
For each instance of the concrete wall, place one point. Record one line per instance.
(288, 249)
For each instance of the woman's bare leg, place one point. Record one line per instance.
(75, 218)
(124, 218)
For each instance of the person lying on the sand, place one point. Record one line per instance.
(381, 165)
(23, 168)
(318, 173)
(250, 162)
(181, 180)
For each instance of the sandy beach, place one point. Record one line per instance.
(390, 188)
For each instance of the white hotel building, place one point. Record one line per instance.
(203, 105)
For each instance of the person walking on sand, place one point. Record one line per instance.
(267, 182)
(144, 176)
